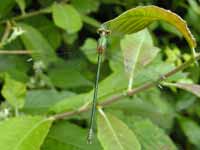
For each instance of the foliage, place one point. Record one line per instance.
(48, 64)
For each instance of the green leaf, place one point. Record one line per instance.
(66, 17)
(88, 49)
(194, 19)
(117, 81)
(22, 5)
(171, 29)
(194, 5)
(138, 51)
(34, 41)
(109, 86)
(191, 129)
(39, 101)
(5, 7)
(90, 21)
(69, 38)
(71, 77)
(17, 71)
(113, 134)
(14, 92)
(86, 6)
(72, 103)
(185, 101)
(47, 28)
(192, 88)
(23, 133)
(150, 136)
(138, 18)
(67, 136)
(147, 105)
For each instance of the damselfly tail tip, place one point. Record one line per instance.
(90, 136)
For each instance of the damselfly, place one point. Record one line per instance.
(102, 43)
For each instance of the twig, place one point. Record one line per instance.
(15, 52)
(47, 10)
(132, 92)
(5, 34)
(27, 15)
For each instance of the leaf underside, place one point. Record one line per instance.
(140, 17)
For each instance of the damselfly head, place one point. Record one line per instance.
(103, 30)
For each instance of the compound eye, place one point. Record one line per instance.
(99, 31)
(103, 31)
(108, 32)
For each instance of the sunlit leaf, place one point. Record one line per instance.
(66, 17)
(150, 136)
(138, 18)
(88, 47)
(192, 88)
(113, 134)
(138, 50)
(23, 133)
(72, 103)
(14, 92)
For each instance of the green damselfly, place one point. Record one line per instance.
(102, 43)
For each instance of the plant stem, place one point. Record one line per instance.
(6, 32)
(132, 92)
(15, 52)
(27, 15)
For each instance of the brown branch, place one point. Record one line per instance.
(134, 91)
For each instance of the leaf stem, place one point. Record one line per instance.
(118, 96)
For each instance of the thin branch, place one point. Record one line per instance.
(85, 18)
(27, 15)
(132, 92)
(6, 32)
(15, 52)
